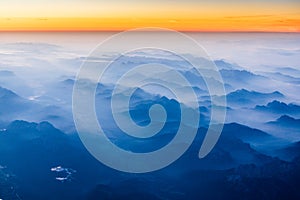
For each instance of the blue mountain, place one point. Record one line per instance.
(279, 107)
(197, 80)
(22, 132)
(222, 64)
(283, 77)
(68, 81)
(6, 95)
(30, 150)
(246, 98)
(242, 78)
(13, 107)
(289, 152)
(289, 71)
(11, 103)
(285, 127)
(6, 73)
(9, 80)
(38, 147)
(245, 133)
(286, 121)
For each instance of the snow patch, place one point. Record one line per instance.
(63, 174)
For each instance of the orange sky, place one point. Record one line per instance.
(190, 15)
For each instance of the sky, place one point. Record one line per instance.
(118, 15)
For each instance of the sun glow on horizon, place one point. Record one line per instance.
(97, 15)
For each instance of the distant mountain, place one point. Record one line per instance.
(231, 152)
(14, 107)
(11, 103)
(239, 75)
(34, 47)
(289, 71)
(58, 93)
(245, 133)
(43, 108)
(287, 121)
(139, 111)
(31, 150)
(282, 77)
(222, 64)
(9, 80)
(246, 98)
(6, 94)
(290, 152)
(68, 82)
(236, 145)
(232, 162)
(295, 147)
(280, 107)
(243, 137)
(285, 127)
(245, 181)
(24, 139)
(196, 79)
(273, 180)
(23, 131)
(242, 79)
(55, 105)
(6, 73)
(38, 147)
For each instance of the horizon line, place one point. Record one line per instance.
(123, 30)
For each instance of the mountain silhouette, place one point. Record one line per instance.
(287, 121)
(245, 97)
(280, 107)
(11, 103)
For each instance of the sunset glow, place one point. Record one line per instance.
(93, 15)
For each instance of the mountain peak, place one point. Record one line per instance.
(223, 64)
(7, 93)
(21, 126)
(278, 93)
(243, 131)
(286, 118)
(276, 102)
(68, 81)
(247, 92)
(45, 126)
(279, 107)
(242, 91)
(288, 121)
